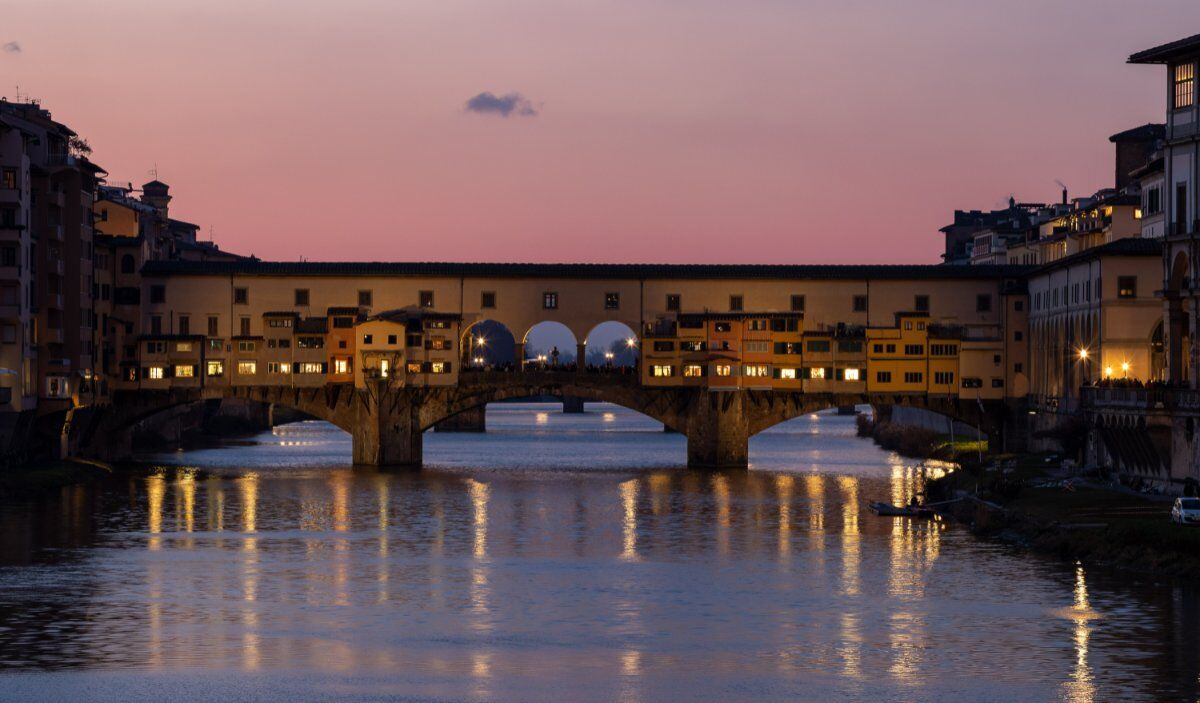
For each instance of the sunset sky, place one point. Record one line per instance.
(761, 131)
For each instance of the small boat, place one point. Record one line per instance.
(889, 510)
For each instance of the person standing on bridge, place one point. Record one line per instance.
(554, 357)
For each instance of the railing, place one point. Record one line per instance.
(1134, 398)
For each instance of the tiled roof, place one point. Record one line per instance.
(600, 271)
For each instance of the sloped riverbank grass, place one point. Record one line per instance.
(1077, 519)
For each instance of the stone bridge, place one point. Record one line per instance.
(387, 422)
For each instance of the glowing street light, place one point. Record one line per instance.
(1125, 368)
(1083, 354)
(631, 342)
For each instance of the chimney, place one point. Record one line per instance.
(1064, 196)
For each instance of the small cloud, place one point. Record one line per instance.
(12, 47)
(489, 104)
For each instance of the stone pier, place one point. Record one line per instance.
(718, 431)
(387, 428)
(472, 420)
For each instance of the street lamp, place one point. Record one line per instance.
(1083, 354)
(1125, 368)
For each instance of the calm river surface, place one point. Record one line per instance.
(558, 557)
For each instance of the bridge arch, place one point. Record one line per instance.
(542, 338)
(612, 343)
(488, 343)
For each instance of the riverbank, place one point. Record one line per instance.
(43, 476)
(1031, 503)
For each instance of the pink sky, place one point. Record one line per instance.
(762, 131)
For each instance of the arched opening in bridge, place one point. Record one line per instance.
(488, 344)
(612, 344)
(549, 345)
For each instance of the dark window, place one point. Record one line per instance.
(212, 327)
(921, 303)
(914, 349)
(343, 322)
(736, 303)
(127, 263)
(156, 324)
(245, 326)
(817, 346)
(914, 377)
(391, 339)
(426, 298)
(1019, 305)
(487, 299)
(612, 301)
(860, 303)
(1018, 336)
(664, 346)
(983, 303)
(850, 347)
(997, 383)
(185, 325)
(158, 294)
(673, 302)
(1018, 368)
(797, 303)
(302, 297)
(364, 299)
(368, 339)
(550, 301)
(1126, 286)
(883, 376)
(722, 327)
(241, 296)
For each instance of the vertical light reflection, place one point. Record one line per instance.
(721, 498)
(631, 673)
(185, 487)
(784, 485)
(215, 490)
(814, 486)
(629, 496)
(384, 501)
(480, 587)
(851, 645)
(248, 493)
(156, 490)
(851, 537)
(905, 635)
(1082, 686)
(660, 493)
(340, 488)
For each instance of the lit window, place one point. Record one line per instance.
(384, 367)
(216, 368)
(724, 369)
(693, 371)
(788, 374)
(1185, 85)
(852, 375)
(312, 367)
(341, 366)
(156, 372)
(247, 368)
(754, 370)
(662, 370)
(184, 371)
(183, 346)
(414, 367)
(278, 367)
(816, 372)
(438, 367)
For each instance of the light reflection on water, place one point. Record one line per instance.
(532, 563)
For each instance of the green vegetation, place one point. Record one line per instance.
(1077, 519)
(919, 442)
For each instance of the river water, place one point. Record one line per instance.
(558, 557)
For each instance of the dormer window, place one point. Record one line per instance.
(1185, 85)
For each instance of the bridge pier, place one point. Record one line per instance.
(718, 431)
(387, 428)
(572, 404)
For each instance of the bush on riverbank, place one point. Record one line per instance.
(915, 441)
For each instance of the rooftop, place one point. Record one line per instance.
(1165, 53)
(1129, 246)
(592, 271)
